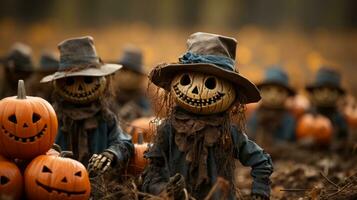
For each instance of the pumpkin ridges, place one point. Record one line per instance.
(14, 187)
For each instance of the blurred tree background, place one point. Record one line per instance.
(301, 35)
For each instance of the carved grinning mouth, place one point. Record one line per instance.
(198, 102)
(59, 191)
(81, 94)
(27, 139)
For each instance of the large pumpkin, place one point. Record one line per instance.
(28, 125)
(55, 177)
(142, 126)
(11, 181)
(315, 127)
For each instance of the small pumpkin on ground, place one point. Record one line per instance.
(28, 125)
(141, 126)
(11, 181)
(138, 162)
(316, 127)
(56, 177)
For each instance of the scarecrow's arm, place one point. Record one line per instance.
(119, 144)
(250, 154)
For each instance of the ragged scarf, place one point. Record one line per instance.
(194, 135)
(78, 122)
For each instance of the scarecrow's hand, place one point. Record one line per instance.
(100, 163)
(259, 197)
(176, 185)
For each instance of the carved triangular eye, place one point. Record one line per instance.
(13, 119)
(4, 180)
(79, 174)
(45, 169)
(35, 117)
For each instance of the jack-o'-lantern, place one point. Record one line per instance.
(201, 93)
(315, 127)
(28, 125)
(80, 89)
(56, 177)
(142, 126)
(138, 163)
(11, 182)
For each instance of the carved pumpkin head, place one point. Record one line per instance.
(80, 89)
(273, 96)
(28, 125)
(55, 177)
(316, 128)
(202, 93)
(10, 180)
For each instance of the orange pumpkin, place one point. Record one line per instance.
(11, 181)
(298, 105)
(28, 125)
(316, 127)
(55, 177)
(138, 162)
(141, 126)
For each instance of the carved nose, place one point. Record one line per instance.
(64, 180)
(195, 90)
(25, 125)
(80, 88)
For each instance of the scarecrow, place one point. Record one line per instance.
(18, 65)
(129, 83)
(197, 142)
(325, 92)
(272, 122)
(48, 65)
(87, 126)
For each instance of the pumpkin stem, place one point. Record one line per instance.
(140, 138)
(21, 91)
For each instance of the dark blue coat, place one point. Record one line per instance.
(106, 137)
(167, 160)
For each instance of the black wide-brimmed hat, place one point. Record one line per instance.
(132, 59)
(277, 76)
(19, 59)
(78, 57)
(326, 77)
(211, 54)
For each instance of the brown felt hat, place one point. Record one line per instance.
(211, 54)
(78, 57)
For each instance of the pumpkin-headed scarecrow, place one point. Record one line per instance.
(197, 142)
(48, 65)
(272, 122)
(325, 92)
(129, 82)
(18, 65)
(86, 125)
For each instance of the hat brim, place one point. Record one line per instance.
(290, 90)
(103, 70)
(163, 75)
(311, 87)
